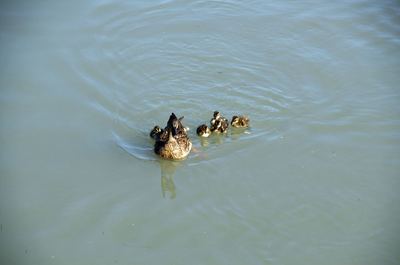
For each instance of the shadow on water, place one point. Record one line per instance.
(168, 169)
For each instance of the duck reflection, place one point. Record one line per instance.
(168, 168)
(204, 142)
(237, 133)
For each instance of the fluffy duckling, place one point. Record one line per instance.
(156, 132)
(216, 117)
(240, 121)
(173, 143)
(219, 123)
(220, 126)
(203, 131)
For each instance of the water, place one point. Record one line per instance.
(315, 179)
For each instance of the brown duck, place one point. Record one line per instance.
(172, 142)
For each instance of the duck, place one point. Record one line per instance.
(203, 131)
(156, 132)
(220, 126)
(173, 142)
(240, 121)
(216, 117)
(219, 123)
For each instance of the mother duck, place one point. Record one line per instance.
(173, 142)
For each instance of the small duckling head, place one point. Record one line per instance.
(155, 132)
(235, 121)
(217, 115)
(203, 131)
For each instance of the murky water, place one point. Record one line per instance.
(314, 180)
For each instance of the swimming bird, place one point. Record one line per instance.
(173, 143)
(203, 131)
(240, 121)
(156, 132)
(220, 126)
(216, 116)
(218, 123)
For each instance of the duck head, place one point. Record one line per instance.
(235, 120)
(175, 124)
(217, 115)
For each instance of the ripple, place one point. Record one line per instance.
(141, 152)
(147, 60)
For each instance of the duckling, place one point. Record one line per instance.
(203, 131)
(219, 123)
(216, 117)
(174, 142)
(240, 121)
(220, 126)
(156, 132)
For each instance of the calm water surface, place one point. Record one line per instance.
(315, 180)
